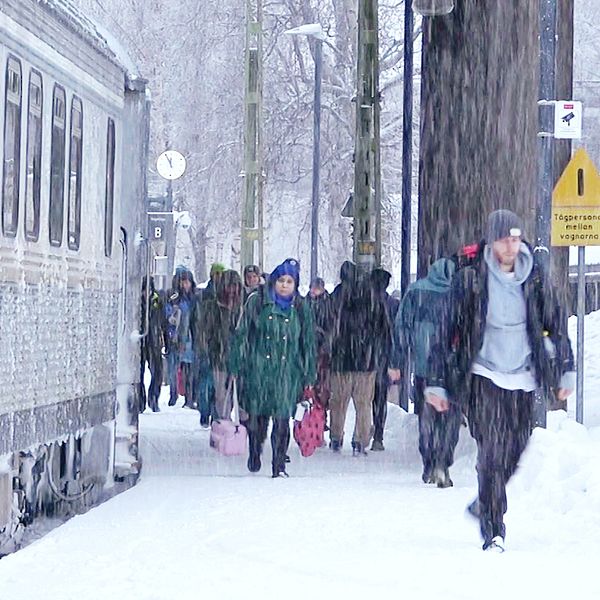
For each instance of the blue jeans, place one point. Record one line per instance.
(205, 388)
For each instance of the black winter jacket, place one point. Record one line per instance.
(464, 326)
(361, 332)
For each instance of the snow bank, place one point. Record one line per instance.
(591, 392)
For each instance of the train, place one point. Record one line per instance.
(75, 123)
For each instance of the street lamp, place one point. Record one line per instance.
(433, 8)
(315, 31)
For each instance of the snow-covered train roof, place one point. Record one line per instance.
(94, 32)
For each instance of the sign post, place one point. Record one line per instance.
(576, 222)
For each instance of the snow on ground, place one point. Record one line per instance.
(198, 525)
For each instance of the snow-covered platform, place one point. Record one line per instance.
(199, 526)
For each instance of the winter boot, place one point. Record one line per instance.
(473, 509)
(279, 471)
(496, 544)
(427, 474)
(441, 477)
(336, 445)
(358, 449)
(254, 463)
(377, 446)
(173, 400)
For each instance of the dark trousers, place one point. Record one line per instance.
(191, 384)
(156, 373)
(204, 389)
(380, 405)
(172, 368)
(501, 422)
(438, 432)
(142, 406)
(257, 426)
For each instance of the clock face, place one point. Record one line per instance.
(171, 164)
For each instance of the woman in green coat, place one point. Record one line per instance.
(274, 355)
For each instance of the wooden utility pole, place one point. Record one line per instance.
(367, 171)
(252, 211)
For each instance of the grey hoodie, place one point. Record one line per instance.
(506, 347)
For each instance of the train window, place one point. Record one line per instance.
(34, 157)
(57, 166)
(75, 158)
(110, 188)
(12, 148)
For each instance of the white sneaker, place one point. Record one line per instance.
(496, 545)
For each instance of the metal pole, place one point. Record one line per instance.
(580, 332)
(407, 122)
(547, 9)
(366, 236)
(545, 144)
(171, 236)
(314, 231)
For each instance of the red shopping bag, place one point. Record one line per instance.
(308, 432)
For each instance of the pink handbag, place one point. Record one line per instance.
(308, 433)
(229, 437)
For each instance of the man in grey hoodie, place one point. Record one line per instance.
(504, 336)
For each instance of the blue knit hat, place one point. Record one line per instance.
(290, 267)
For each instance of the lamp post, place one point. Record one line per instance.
(407, 123)
(315, 31)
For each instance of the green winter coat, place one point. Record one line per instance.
(274, 354)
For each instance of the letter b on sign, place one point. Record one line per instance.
(157, 233)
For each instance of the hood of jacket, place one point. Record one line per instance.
(439, 277)
(182, 273)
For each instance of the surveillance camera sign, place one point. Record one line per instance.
(567, 119)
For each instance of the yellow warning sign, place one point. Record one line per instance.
(576, 204)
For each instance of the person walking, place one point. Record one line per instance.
(180, 354)
(214, 327)
(320, 302)
(252, 275)
(416, 331)
(380, 279)
(152, 343)
(505, 336)
(274, 355)
(359, 330)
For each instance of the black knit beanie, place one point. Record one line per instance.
(501, 224)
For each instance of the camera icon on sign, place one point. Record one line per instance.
(568, 118)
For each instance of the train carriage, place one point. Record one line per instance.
(75, 121)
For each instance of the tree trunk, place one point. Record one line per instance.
(479, 119)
